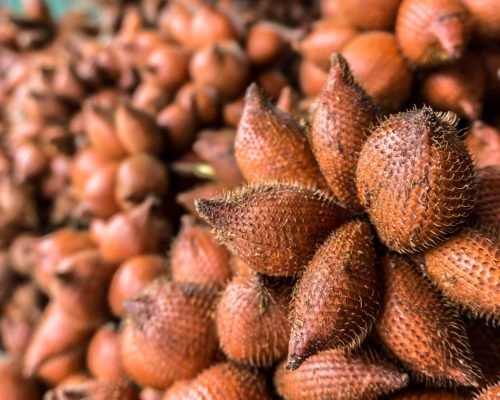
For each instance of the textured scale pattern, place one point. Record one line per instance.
(432, 32)
(416, 179)
(336, 375)
(270, 145)
(418, 328)
(428, 394)
(337, 298)
(273, 228)
(168, 333)
(197, 257)
(488, 199)
(466, 268)
(252, 321)
(222, 382)
(339, 127)
(490, 393)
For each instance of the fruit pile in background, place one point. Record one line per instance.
(250, 200)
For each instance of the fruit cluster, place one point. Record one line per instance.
(177, 222)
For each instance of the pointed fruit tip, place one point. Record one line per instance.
(293, 362)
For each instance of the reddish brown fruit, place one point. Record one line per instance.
(136, 231)
(207, 191)
(485, 343)
(340, 123)
(98, 199)
(138, 177)
(137, 131)
(56, 369)
(196, 256)
(379, 68)
(432, 32)
(21, 254)
(223, 66)
(167, 66)
(429, 339)
(148, 393)
(95, 390)
(103, 354)
(487, 207)
(311, 78)
(489, 393)
(216, 147)
(265, 43)
(287, 101)
(222, 381)
(337, 299)
(205, 101)
(273, 228)
(486, 18)
(416, 179)
(85, 163)
(466, 268)
(29, 161)
(101, 132)
(328, 36)
(132, 277)
(79, 275)
(335, 375)
(252, 321)
(53, 248)
(428, 394)
(483, 143)
(459, 87)
(13, 385)
(272, 82)
(56, 333)
(232, 112)
(210, 25)
(169, 333)
(370, 15)
(180, 124)
(266, 133)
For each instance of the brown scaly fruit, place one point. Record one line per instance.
(168, 333)
(485, 343)
(197, 257)
(336, 375)
(98, 389)
(273, 227)
(266, 133)
(337, 299)
(466, 268)
(490, 393)
(13, 385)
(416, 179)
(432, 32)
(222, 381)
(420, 329)
(252, 321)
(427, 394)
(340, 123)
(487, 207)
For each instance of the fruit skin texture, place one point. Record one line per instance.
(490, 393)
(427, 394)
(339, 127)
(222, 381)
(269, 145)
(432, 32)
(335, 375)
(416, 179)
(466, 268)
(487, 207)
(197, 257)
(418, 328)
(168, 333)
(97, 389)
(252, 321)
(273, 227)
(337, 299)
(370, 15)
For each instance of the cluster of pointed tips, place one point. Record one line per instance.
(372, 220)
